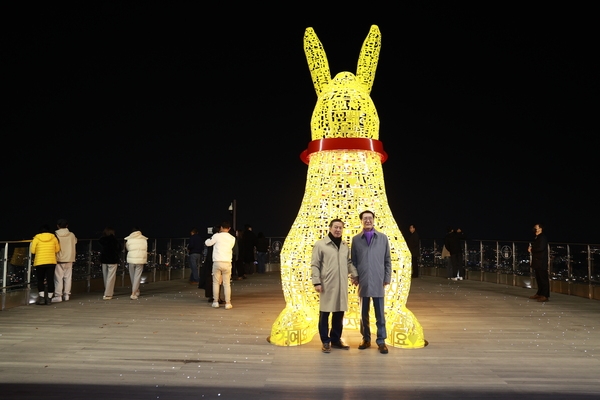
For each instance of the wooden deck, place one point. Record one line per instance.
(485, 341)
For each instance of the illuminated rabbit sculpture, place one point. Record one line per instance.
(345, 177)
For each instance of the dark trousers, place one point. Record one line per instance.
(239, 266)
(365, 326)
(457, 265)
(45, 272)
(415, 262)
(542, 281)
(337, 325)
(249, 267)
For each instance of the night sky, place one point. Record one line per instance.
(158, 115)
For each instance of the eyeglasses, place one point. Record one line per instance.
(367, 219)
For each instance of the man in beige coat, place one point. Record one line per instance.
(331, 265)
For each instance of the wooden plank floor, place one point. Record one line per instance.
(486, 341)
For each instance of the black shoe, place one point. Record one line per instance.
(340, 345)
(221, 301)
(382, 348)
(364, 345)
(40, 301)
(326, 348)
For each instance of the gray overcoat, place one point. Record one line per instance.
(373, 263)
(330, 267)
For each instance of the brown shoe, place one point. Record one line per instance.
(535, 296)
(340, 345)
(542, 299)
(382, 348)
(326, 348)
(364, 345)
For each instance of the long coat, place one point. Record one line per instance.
(373, 263)
(330, 267)
(539, 252)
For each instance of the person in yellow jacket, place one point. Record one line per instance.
(45, 246)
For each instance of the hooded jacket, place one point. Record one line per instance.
(44, 246)
(137, 248)
(67, 246)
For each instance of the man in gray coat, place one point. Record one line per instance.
(330, 266)
(372, 259)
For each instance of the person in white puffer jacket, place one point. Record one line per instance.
(137, 256)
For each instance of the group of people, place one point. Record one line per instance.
(368, 263)
(54, 255)
(452, 254)
(249, 254)
(53, 262)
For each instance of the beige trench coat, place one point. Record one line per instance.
(330, 267)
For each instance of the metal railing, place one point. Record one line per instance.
(574, 268)
(167, 259)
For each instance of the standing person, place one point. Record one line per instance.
(44, 246)
(447, 261)
(372, 259)
(248, 245)
(330, 265)
(109, 258)
(452, 243)
(222, 243)
(137, 256)
(262, 251)
(414, 243)
(63, 273)
(539, 262)
(195, 249)
(446, 254)
(238, 262)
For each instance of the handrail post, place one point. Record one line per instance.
(589, 263)
(497, 262)
(89, 268)
(569, 269)
(4, 267)
(514, 266)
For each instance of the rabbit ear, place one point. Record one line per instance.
(317, 60)
(369, 56)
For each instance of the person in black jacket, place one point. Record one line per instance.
(195, 249)
(109, 258)
(539, 262)
(413, 242)
(452, 243)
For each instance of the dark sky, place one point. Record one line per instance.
(158, 115)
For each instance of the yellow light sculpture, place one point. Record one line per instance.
(345, 177)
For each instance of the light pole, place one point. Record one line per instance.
(232, 210)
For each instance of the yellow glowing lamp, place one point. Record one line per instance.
(345, 177)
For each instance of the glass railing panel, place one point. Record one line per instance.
(579, 263)
(16, 266)
(431, 255)
(505, 264)
(488, 256)
(275, 245)
(472, 256)
(595, 264)
(559, 262)
(522, 259)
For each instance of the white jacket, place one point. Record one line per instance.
(137, 248)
